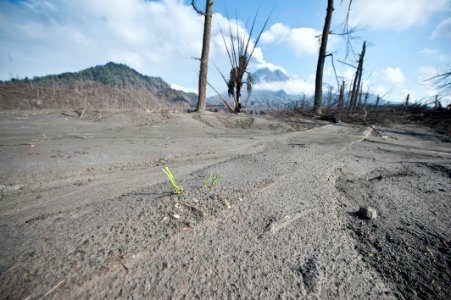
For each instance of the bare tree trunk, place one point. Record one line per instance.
(367, 95)
(203, 73)
(377, 101)
(237, 107)
(436, 103)
(321, 59)
(407, 100)
(359, 103)
(349, 97)
(341, 97)
(357, 79)
(303, 102)
(329, 100)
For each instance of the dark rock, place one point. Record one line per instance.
(310, 275)
(367, 212)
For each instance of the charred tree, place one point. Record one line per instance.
(367, 95)
(359, 103)
(321, 59)
(442, 81)
(357, 79)
(407, 100)
(240, 50)
(341, 97)
(329, 100)
(203, 72)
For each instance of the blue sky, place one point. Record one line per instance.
(408, 40)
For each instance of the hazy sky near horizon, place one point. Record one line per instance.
(407, 40)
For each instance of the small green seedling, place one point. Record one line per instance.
(177, 189)
(212, 180)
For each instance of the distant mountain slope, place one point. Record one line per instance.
(262, 99)
(114, 86)
(267, 75)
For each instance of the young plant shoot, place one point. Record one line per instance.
(212, 180)
(178, 189)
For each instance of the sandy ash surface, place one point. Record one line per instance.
(86, 212)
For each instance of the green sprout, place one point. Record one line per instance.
(177, 189)
(212, 180)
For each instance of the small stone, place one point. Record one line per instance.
(176, 216)
(10, 188)
(227, 204)
(367, 212)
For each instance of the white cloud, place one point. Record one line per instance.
(393, 75)
(260, 63)
(348, 75)
(380, 90)
(427, 72)
(157, 38)
(154, 37)
(301, 40)
(184, 89)
(443, 29)
(40, 6)
(435, 55)
(394, 14)
(429, 52)
(292, 86)
(428, 89)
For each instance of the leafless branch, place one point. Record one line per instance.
(441, 81)
(193, 3)
(345, 63)
(335, 70)
(228, 106)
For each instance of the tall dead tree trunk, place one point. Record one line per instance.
(341, 97)
(407, 100)
(322, 58)
(329, 100)
(359, 102)
(357, 79)
(203, 72)
(377, 101)
(367, 95)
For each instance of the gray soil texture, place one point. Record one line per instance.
(87, 213)
(409, 243)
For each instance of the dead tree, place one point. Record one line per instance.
(359, 102)
(442, 81)
(341, 97)
(407, 100)
(377, 101)
(357, 80)
(240, 51)
(367, 95)
(329, 100)
(437, 103)
(203, 72)
(321, 59)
